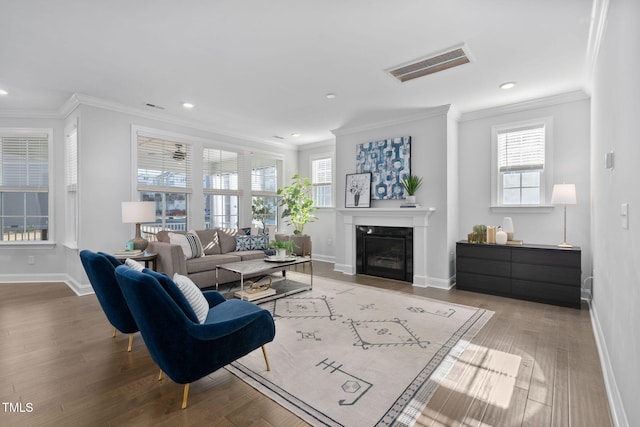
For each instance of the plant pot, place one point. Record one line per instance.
(411, 199)
(281, 253)
(301, 245)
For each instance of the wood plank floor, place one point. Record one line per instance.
(57, 354)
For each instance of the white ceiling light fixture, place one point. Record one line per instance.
(188, 105)
(3, 92)
(507, 85)
(331, 95)
(295, 134)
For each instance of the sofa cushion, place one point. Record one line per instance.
(245, 255)
(210, 241)
(194, 296)
(163, 236)
(227, 239)
(209, 262)
(190, 243)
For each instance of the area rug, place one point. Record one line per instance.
(352, 355)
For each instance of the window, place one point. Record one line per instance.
(322, 182)
(521, 166)
(222, 184)
(71, 186)
(164, 176)
(24, 184)
(264, 187)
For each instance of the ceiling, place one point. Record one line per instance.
(260, 69)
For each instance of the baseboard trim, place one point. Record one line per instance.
(324, 258)
(79, 289)
(618, 415)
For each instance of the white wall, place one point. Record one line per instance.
(322, 230)
(616, 251)
(571, 162)
(429, 159)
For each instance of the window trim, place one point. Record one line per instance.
(321, 156)
(546, 178)
(48, 132)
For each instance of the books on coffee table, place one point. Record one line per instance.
(254, 295)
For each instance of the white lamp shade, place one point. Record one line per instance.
(134, 212)
(563, 194)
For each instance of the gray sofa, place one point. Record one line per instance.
(219, 247)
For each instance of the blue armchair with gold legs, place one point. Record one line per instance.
(185, 349)
(101, 270)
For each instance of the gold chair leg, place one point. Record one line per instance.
(160, 375)
(114, 333)
(130, 342)
(266, 359)
(186, 394)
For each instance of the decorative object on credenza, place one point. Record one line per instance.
(501, 237)
(297, 203)
(388, 161)
(358, 190)
(136, 213)
(411, 183)
(564, 194)
(507, 227)
(479, 234)
(491, 234)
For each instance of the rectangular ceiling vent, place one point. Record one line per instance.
(433, 64)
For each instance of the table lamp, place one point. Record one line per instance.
(564, 194)
(137, 212)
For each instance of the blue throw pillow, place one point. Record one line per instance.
(252, 243)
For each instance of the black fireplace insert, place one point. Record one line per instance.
(385, 252)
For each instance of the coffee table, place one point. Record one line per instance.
(266, 267)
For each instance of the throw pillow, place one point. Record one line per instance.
(134, 264)
(252, 243)
(190, 243)
(194, 295)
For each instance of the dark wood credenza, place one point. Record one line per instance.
(542, 273)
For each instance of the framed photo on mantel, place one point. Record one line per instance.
(358, 190)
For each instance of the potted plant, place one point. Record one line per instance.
(283, 248)
(411, 183)
(298, 210)
(260, 210)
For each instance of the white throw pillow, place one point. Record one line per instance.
(134, 264)
(194, 295)
(190, 243)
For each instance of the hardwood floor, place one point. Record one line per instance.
(58, 356)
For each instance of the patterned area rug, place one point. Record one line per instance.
(351, 355)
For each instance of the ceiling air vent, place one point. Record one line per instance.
(432, 64)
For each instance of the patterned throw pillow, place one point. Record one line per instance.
(252, 243)
(190, 243)
(194, 295)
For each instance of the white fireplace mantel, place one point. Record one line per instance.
(416, 218)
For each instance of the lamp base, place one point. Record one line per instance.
(138, 241)
(565, 245)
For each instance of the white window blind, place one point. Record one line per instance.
(24, 163)
(321, 171)
(222, 170)
(322, 181)
(522, 149)
(71, 182)
(71, 160)
(264, 174)
(164, 165)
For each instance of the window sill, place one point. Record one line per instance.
(523, 208)
(16, 245)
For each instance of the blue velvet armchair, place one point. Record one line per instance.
(183, 348)
(101, 270)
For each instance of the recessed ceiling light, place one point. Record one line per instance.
(295, 134)
(188, 105)
(330, 95)
(507, 85)
(3, 92)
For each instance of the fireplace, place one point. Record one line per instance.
(385, 252)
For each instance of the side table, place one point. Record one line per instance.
(149, 258)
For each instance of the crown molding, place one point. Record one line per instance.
(548, 101)
(426, 114)
(30, 114)
(78, 99)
